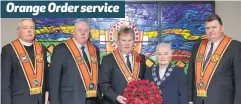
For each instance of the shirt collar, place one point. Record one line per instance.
(124, 55)
(25, 43)
(215, 43)
(79, 45)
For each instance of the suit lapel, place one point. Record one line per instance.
(157, 72)
(167, 78)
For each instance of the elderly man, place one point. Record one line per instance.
(214, 73)
(169, 78)
(24, 67)
(73, 74)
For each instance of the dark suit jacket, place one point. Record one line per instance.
(15, 89)
(174, 88)
(111, 80)
(65, 83)
(225, 85)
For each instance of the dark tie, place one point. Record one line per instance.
(85, 57)
(128, 62)
(208, 56)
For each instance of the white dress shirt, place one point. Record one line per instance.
(130, 59)
(215, 45)
(162, 71)
(86, 49)
(25, 43)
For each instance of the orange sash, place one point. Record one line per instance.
(203, 78)
(123, 67)
(89, 78)
(33, 75)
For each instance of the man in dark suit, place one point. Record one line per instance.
(120, 67)
(24, 67)
(214, 74)
(73, 74)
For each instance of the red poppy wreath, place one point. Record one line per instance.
(142, 92)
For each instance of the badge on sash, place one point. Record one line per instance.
(79, 60)
(39, 58)
(24, 58)
(91, 93)
(35, 82)
(34, 91)
(199, 58)
(91, 86)
(202, 93)
(93, 59)
(201, 84)
(215, 58)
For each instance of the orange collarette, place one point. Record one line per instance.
(33, 75)
(203, 77)
(123, 67)
(90, 79)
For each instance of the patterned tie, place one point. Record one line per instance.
(128, 63)
(85, 57)
(208, 56)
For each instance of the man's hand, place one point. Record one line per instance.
(121, 99)
(46, 98)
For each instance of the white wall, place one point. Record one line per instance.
(8, 30)
(229, 11)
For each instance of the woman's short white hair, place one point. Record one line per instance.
(164, 44)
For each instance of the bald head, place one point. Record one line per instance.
(81, 32)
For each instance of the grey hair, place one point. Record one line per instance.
(79, 22)
(24, 19)
(164, 44)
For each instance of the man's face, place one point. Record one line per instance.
(214, 30)
(27, 31)
(81, 32)
(126, 43)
